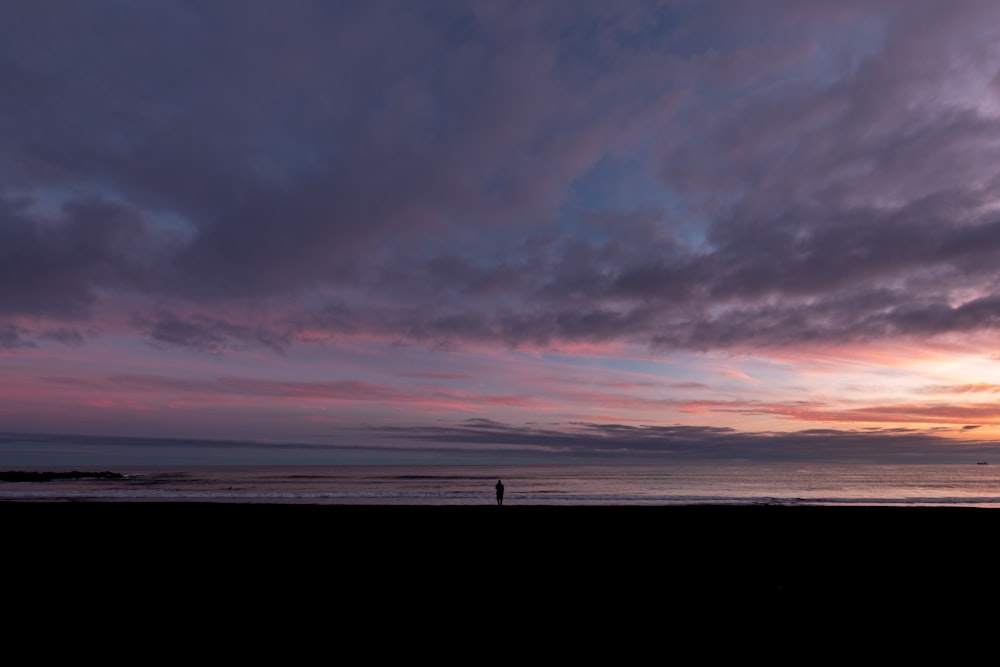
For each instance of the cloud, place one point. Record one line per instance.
(979, 387)
(600, 441)
(12, 337)
(792, 173)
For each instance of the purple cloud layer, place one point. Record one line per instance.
(686, 175)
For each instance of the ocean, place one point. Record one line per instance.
(969, 485)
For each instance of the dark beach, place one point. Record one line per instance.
(765, 555)
(302, 567)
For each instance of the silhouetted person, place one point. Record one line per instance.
(499, 488)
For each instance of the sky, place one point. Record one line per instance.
(386, 231)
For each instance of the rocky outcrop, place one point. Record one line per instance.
(29, 476)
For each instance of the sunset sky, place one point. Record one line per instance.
(398, 231)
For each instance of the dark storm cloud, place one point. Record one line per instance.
(448, 172)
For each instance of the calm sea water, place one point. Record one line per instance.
(736, 484)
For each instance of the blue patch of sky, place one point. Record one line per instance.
(673, 370)
(50, 202)
(626, 185)
(832, 53)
